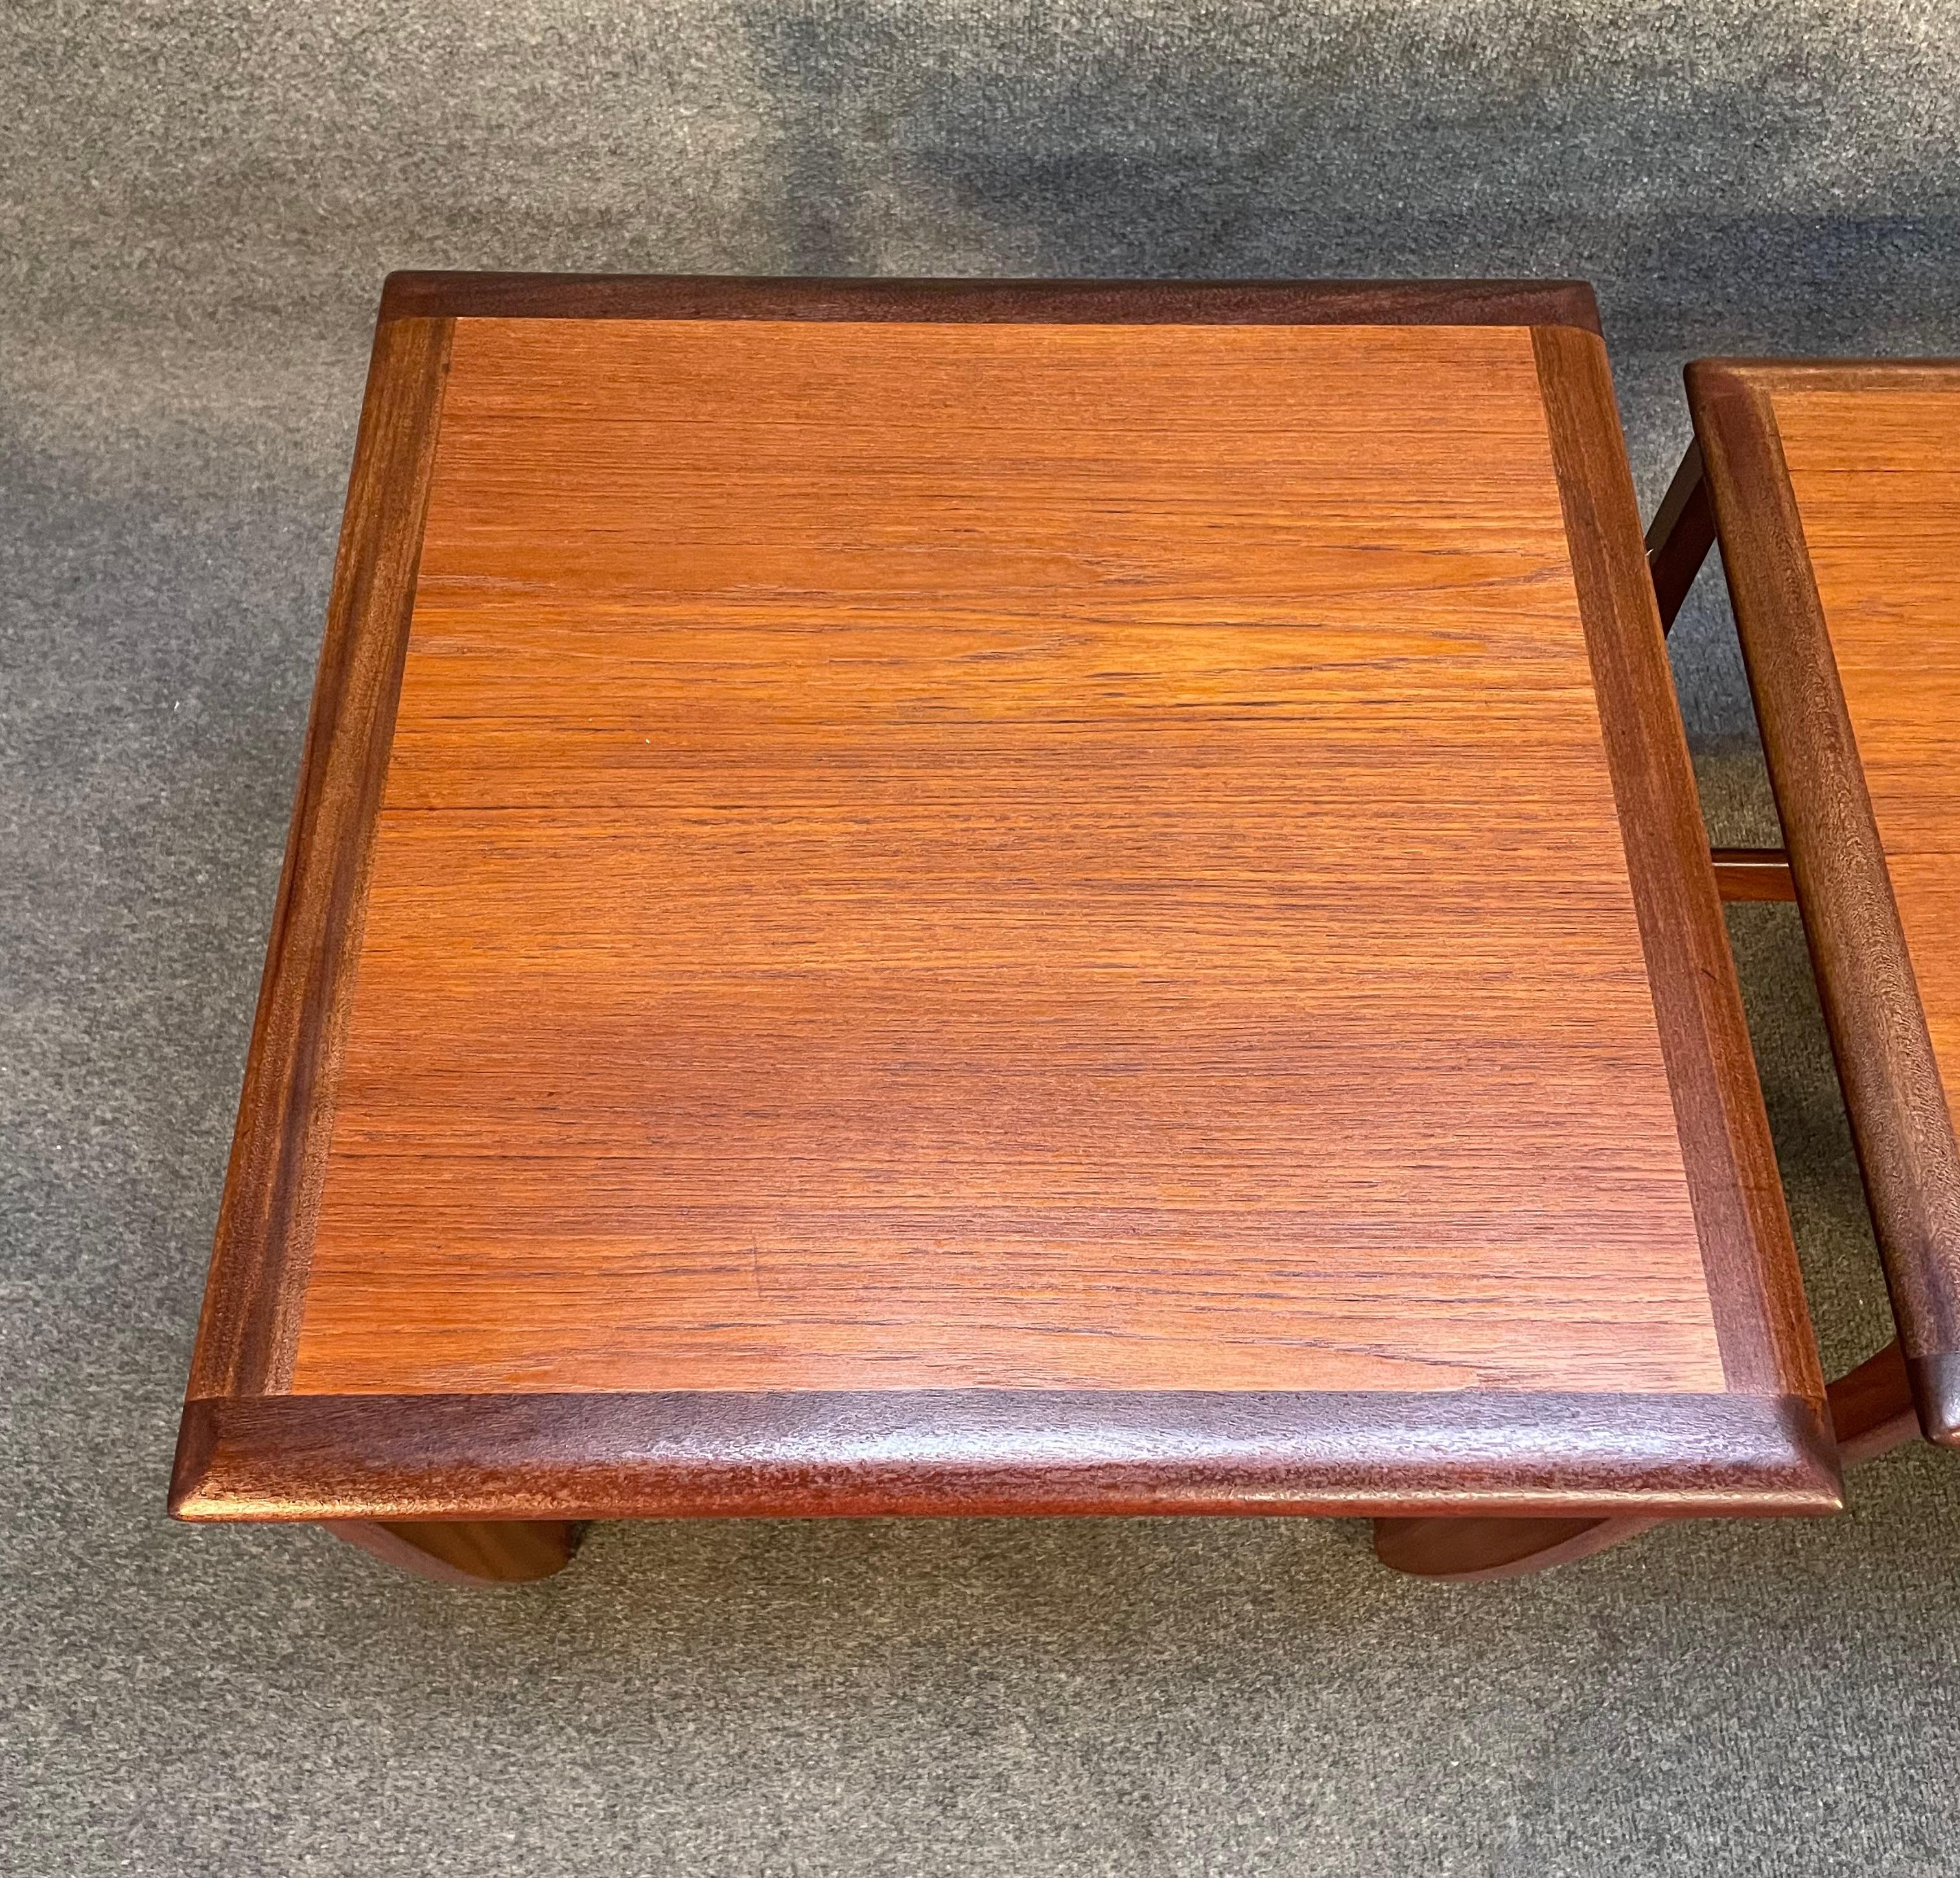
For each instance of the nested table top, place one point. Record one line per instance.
(1838, 487)
(1034, 899)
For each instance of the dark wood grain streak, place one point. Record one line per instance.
(250, 1315)
(1747, 1250)
(1752, 873)
(1047, 303)
(1007, 1451)
(1680, 536)
(1900, 1118)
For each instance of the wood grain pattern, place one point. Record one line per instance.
(413, 295)
(245, 1339)
(961, 855)
(1746, 1246)
(1871, 490)
(1876, 472)
(1876, 475)
(967, 1452)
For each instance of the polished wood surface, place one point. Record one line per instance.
(882, 915)
(977, 913)
(1833, 488)
(806, 1452)
(1876, 475)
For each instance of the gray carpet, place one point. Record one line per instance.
(197, 203)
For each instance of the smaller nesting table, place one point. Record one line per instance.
(1835, 488)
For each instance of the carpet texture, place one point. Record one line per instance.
(197, 205)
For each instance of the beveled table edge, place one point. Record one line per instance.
(250, 1313)
(1449, 303)
(1819, 373)
(1900, 1120)
(954, 1452)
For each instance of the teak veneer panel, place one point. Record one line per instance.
(982, 897)
(1876, 474)
(940, 855)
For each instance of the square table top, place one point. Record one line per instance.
(1836, 484)
(924, 896)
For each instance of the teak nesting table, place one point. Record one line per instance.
(994, 898)
(1835, 486)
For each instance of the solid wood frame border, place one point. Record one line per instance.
(460, 296)
(1901, 1119)
(248, 1450)
(1748, 1252)
(819, 1452)
(250, 1315)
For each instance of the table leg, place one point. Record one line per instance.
(1682, 533)
(1871, 1409)
(1678, 542)
(467, 1551)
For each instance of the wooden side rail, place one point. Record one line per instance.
(1753, 873)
